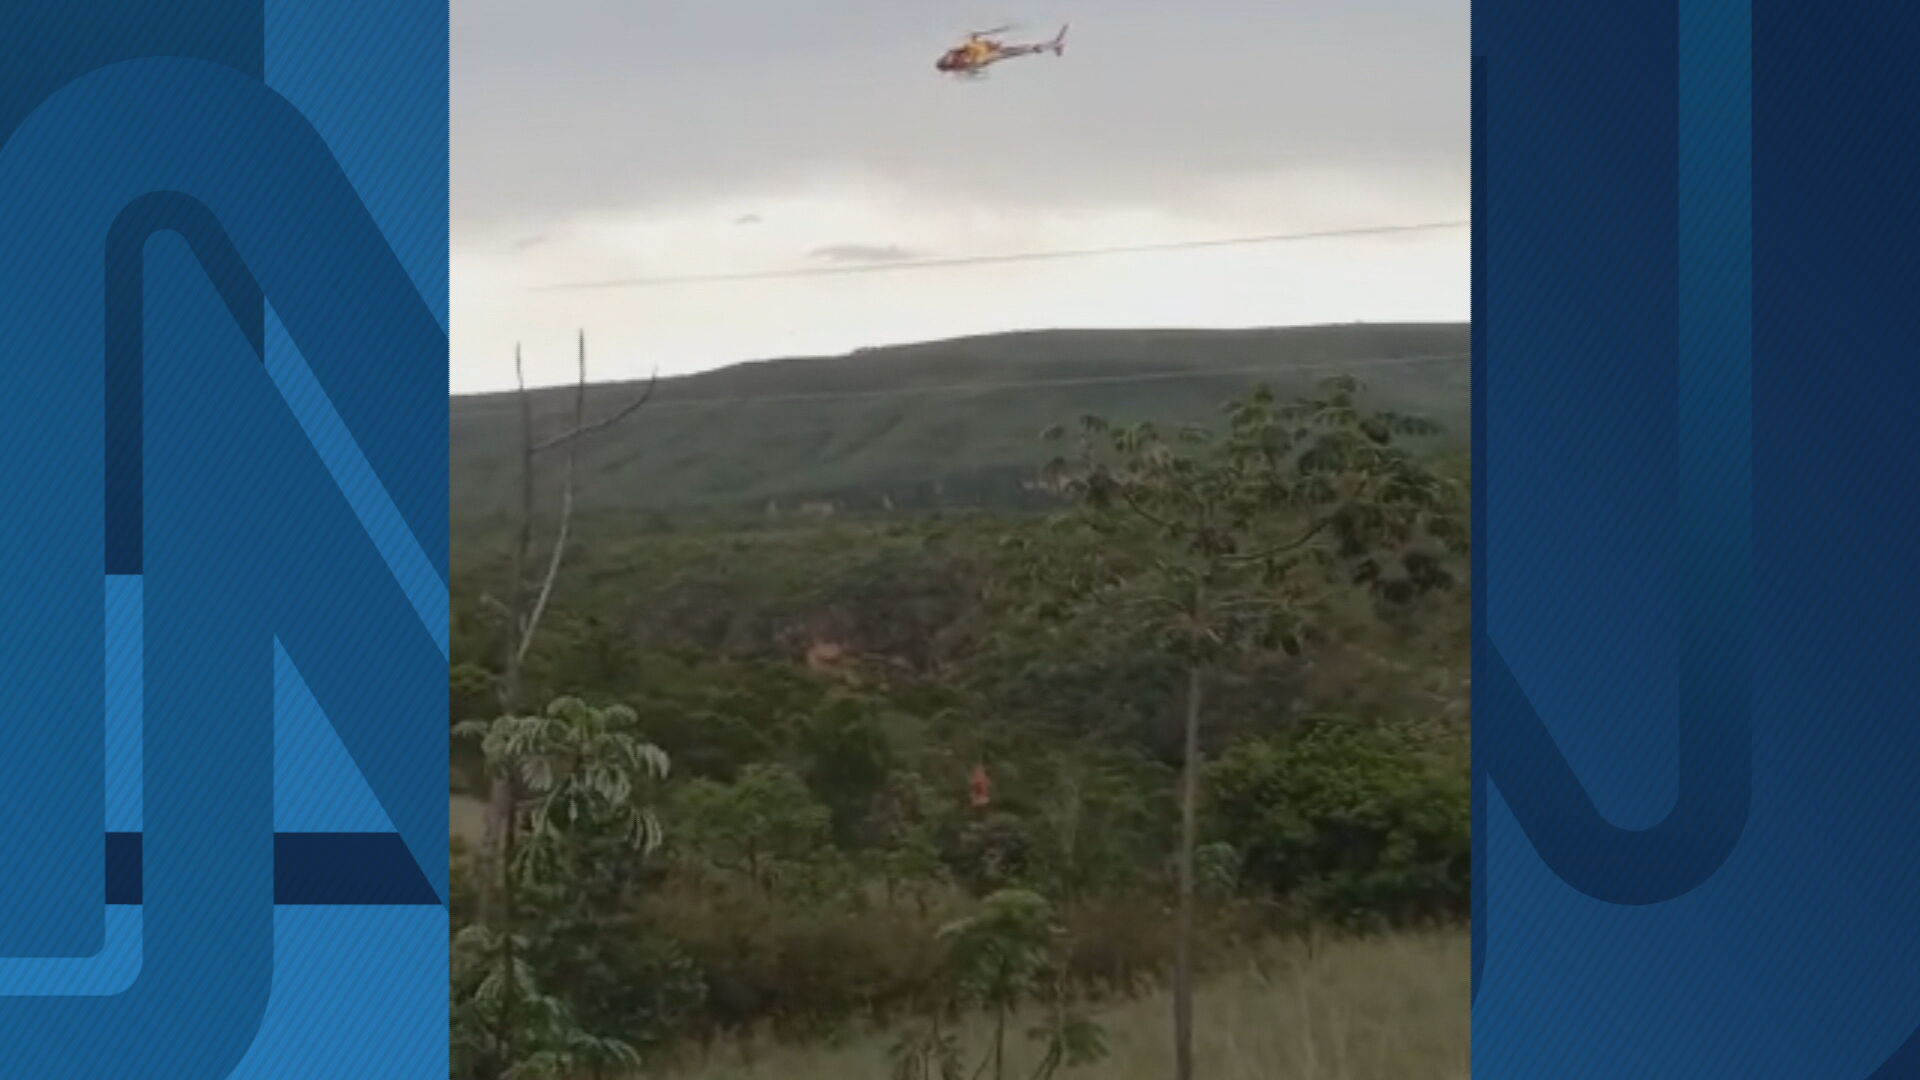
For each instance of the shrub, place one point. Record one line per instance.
(805, 969)
(1357, 820)
(991, 853)
(755, 826)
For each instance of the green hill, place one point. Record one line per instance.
(941, 423)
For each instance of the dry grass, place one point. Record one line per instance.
(1382, 1008)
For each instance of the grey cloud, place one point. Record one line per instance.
(606, 104)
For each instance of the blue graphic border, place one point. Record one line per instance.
(225, 294)
(1695, 851)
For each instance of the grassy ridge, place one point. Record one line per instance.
(936, 424)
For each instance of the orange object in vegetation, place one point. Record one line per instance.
(982, 787)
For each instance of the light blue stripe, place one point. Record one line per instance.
(110, 971)
(355, 477)
(125, 675)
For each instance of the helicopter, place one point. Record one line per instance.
(982, 50)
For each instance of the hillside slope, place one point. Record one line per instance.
(942, 423)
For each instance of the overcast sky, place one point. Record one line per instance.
(619, 139)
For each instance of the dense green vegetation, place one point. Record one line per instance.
(746, 813)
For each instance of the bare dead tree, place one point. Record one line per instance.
(527, 604)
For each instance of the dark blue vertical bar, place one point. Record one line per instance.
(1478, 421)
(160, 211)
(1715, 411)
(125, 868)
(125, 508)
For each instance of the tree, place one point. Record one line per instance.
(1097, 824)
(579, 767)
(848, 757)
(764, 818)
(584, 776)
(526, 605)
(505, 1024)
(929, 1053)
(1003, 956)
(900, 830)
(1229, 546)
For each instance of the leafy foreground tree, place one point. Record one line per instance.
(1000, 958)
(1235, 545)
(505, 1025)
(582, 821)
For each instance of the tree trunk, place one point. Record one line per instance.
(496, 888)
(493, 845)
(508, 1020)
(500, 795)
(1183, 928)
(1000, 1043)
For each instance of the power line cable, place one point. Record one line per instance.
(1017, 257)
